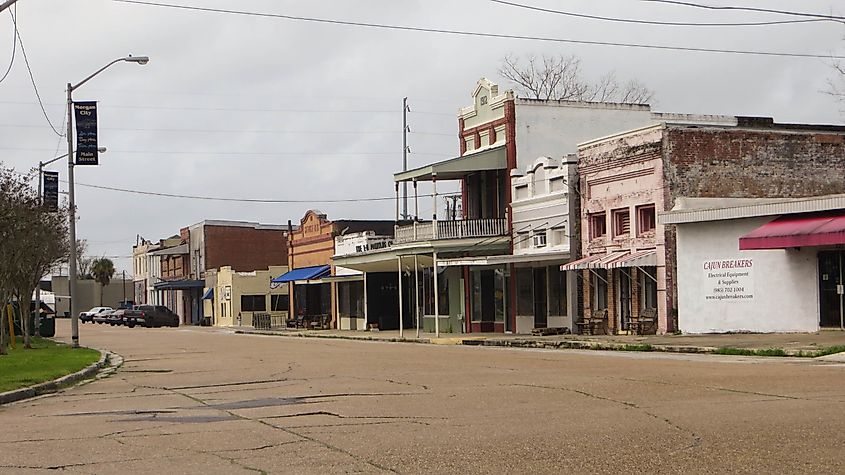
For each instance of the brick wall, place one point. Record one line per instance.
(245, 249)
(753, 163)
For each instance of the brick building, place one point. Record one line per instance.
(310, 250)
(174, 271)
(629, 260)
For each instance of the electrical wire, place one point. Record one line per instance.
(232, 200)
(14, 47)
(31, 77)
(654, 22)
(482, 34)
(272, 154)
(747, 9)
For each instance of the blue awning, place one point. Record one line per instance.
(209, 294)
(304, 273)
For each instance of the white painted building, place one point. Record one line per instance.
(759, 265)
(351, 284)
(545, 212)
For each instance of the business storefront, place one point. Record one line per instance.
(761, 267)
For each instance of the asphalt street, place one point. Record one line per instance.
(200, 400)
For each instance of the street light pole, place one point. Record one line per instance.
(41, 166)
(74, 310)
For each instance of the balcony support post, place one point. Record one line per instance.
(435, 229)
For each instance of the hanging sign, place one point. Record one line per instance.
(51, 190)
(85, 114)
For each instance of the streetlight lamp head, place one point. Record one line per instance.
(137, 59)
(101, 149)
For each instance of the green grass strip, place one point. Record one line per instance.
(46, 361)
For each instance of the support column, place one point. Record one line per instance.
(434, 229)
(416, 202)
(436, 293)
(397, 201)
(401, 310)
(417, 286)
(366, 316)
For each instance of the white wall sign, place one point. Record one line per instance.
(728, 279)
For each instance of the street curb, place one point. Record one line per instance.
(592, 345)
(47, 387)
(335, 337)
(634, 347)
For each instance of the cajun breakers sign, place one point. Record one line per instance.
(728, 279)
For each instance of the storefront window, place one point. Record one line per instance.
(499, 294)
(524, 292)
(648, 287)
(557, 291)
(427, 291)
(253, 303)
(279, 303)
(351, 299)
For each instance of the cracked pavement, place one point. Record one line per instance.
(199, 400)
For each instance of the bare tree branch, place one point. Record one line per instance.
(559, 78)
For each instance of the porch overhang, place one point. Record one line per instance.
(459, 167)
(504, 259)
(799, 230)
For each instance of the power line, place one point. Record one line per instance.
(14, 47)
(748, 9)
(31, 77)
(653, 22)
(243, 109)
(482, 34)
(194, 152)
(236, 131)
(233, 200)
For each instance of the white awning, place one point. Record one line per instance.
(459, 167)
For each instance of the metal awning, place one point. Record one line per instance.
(647, 258)
(799, 230)
(171, 251)
(344, 278)
(583, 263)
(209, 294)
(459, 167)
(181, 284)
(614, 260)
(303, 273)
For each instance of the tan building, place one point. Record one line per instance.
(89, 294)
(237, 296)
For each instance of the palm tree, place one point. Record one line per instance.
(102, 269)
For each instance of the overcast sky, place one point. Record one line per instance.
(255, 107)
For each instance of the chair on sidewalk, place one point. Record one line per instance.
(646, 322)
(594, 323)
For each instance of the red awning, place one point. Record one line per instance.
(797, 230)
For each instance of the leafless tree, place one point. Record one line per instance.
(560, 78)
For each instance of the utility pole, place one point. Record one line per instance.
(124, 287)
(405, 130)
(7, 4)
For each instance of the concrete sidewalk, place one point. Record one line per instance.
(791, 344)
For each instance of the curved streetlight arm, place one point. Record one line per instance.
(132, 59)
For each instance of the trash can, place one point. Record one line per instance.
(48, 325)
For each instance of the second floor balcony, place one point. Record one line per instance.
(453, 229)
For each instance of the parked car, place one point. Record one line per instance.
(90, 314)
(103, 317)
(151, 316)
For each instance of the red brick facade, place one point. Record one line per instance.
(244, 248)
